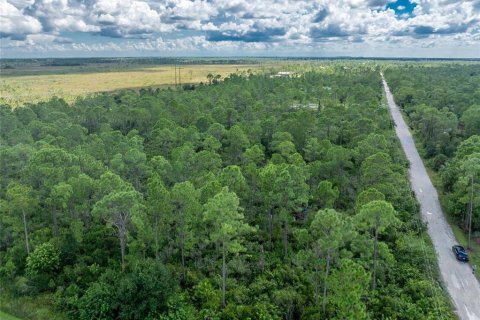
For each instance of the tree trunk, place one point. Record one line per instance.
(121, 224)
(86, 218)
(224, 274)
(327, 270)
(261, 260)
(270, 228)
(285, 239)
(157, 254)
(315, 280)
(24, 216)
(123, 239)
(182, 244)
(374, 280)
(55, 223)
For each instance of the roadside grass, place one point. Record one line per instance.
(18, 90)
(473, 252)
(6, 316)
(460, 235)
(436, 180)
(25, 307)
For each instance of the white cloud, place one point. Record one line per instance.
(176, 25)
(119, 18)
(20, 4)
(60, 15)
(14, 23)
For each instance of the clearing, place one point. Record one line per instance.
(16, 90)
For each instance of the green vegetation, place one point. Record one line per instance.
(37, 306)
(442, 105)
(222, 202)
(6, 316)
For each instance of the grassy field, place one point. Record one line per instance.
(16, 90)
(6, 316)
(31, 81)
(39, 307)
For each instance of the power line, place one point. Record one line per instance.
(428, 267)
(470, 217)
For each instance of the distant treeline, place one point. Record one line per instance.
(70, 62)
(206, 60)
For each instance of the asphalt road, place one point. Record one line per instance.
(461, 284)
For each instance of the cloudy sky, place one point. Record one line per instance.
(387, 28)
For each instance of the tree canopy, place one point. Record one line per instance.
(229, 200)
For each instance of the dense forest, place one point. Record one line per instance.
(251, 198)
(442, 103)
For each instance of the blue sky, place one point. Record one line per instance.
(386, 28)
(402, 8)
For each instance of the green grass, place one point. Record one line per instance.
(41, 307)
(436, 180)
(6, 316)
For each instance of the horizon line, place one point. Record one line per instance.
(250, 57)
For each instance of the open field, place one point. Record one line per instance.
(34, 88)
(31, 81)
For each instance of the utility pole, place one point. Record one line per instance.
(175, 69)
(179, 76)
(470, 216)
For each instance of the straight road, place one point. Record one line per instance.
(461, 284)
